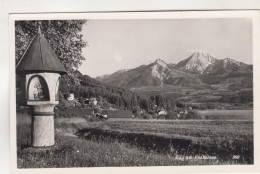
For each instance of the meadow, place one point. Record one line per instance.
(227, 114)
(137, 142)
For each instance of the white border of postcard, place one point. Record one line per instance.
(253, 14)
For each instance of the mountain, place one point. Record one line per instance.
(203, 63)
(197, 62)
(114, 75)
(145, 75)
(155, 74)
(228, 65)
(229, 71)
(199, 69)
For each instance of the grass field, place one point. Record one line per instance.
(227, 114)
(132, 142)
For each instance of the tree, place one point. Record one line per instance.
(63, 36)
(97, 110)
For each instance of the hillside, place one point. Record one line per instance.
(113, 96)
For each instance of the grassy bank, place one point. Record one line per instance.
(130, 142)
(223, 139)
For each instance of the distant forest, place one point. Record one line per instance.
(121, 98)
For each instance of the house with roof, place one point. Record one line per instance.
(162, 112)
(70, 97)
(93, 100)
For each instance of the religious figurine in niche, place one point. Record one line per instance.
(38, 92)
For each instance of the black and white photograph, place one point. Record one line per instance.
(100, 90)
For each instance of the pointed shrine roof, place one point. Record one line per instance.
(39, 57)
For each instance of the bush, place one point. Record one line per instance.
(171, 116)
(155, 116)
(147, 116)
(72, 112)
(192, 115)
(151, 112)
(92, 118)
(97, 110)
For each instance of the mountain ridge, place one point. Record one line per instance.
(197, 69)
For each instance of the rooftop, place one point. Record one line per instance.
(39, 57)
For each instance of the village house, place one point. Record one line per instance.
(162, 112)
(183, 112)
(70, 97)
(93, 100)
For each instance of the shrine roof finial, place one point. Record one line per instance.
(39, 29)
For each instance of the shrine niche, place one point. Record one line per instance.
(38, 89)
(57, 90)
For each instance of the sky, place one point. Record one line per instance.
(126, 44)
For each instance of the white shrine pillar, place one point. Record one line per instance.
(42, 96)
(40, 70)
